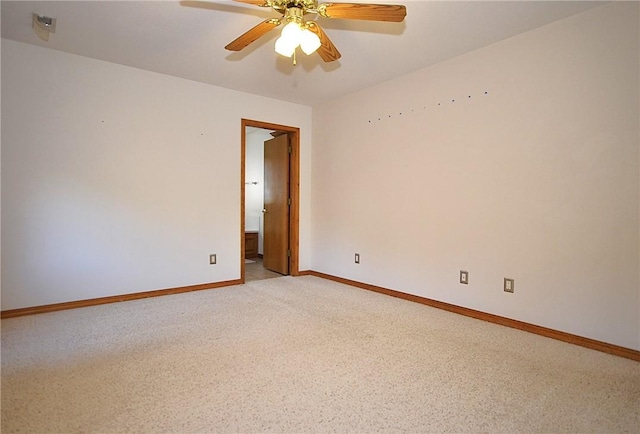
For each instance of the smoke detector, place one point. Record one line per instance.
(43, 26)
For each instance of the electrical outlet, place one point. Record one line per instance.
(213, 259)
(464, 277)
(357, 258)
(509, 285)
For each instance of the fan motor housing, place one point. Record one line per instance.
(303, 5)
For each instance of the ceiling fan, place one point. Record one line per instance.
(307, 34)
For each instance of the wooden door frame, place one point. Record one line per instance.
(294, 191)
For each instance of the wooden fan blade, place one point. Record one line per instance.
(361, 11)
(261, 3)
(327, 51)
(253, 34)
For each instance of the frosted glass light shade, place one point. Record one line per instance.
(309, 41)
(284, 47)
(292, 32)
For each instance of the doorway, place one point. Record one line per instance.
(274, 230)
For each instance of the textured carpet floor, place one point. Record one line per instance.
(301, 355)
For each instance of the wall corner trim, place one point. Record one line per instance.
(592, 344)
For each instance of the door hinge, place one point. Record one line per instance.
(289, 201)
(288, 253)
(289, 148)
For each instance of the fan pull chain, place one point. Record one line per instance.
(295, 62)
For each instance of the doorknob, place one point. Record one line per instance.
(264, 210)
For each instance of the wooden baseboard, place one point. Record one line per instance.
(113, 299)
(531, 328)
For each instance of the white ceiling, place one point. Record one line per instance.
(186, 39)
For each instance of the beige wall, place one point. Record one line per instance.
(117, 180)
(537, 180)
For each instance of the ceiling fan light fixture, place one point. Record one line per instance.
(292, 36)
(289, 39)
(308, 35)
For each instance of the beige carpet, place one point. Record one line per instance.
(301, 355)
